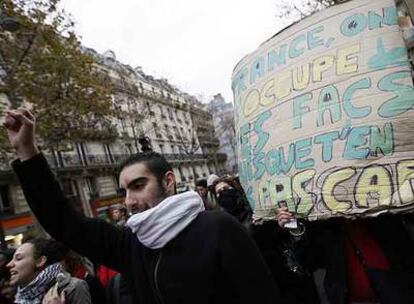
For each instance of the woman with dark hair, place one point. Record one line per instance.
(274, 243)
(284, 251)
(36, 271)
(231, 198)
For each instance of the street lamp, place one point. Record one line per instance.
(145, 143)
(7, 23)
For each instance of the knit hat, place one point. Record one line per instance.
(211, 179)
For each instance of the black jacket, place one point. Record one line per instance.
(213, 260)
(278, 247)
(326, 250)
(118, 291)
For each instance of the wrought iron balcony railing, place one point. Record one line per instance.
(106, 160)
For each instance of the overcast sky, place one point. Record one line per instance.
(193, 43)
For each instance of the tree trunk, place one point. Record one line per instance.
(410, 6)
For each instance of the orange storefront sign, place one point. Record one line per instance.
(17, 222)
(106, 203)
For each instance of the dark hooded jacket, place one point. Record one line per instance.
(325, 249)
(213, 260)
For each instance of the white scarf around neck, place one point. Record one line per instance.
(157, 226)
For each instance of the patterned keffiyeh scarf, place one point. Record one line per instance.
(35, 290)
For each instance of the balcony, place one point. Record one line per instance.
(95, 159)
(184, 157)
(125, 135)
(125, 87)
(221, 157)
(73, 162)
(65, 161)
(102, 161)
(118, 158)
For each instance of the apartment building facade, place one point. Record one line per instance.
(150, 114)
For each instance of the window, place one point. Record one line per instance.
(151, 112)
(58, 159)
(5, 206)
(162, 112)
(156, 131)
(167, 130)
(71, 192)
(122, 120)
(108, 153)
(82, 153)
(178, 117)
(170, 114)
(180, 170)
(176, 132)
(128, 148)
(91, 183)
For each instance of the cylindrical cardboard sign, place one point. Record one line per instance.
(324, 116)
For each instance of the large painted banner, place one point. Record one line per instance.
(324, 116)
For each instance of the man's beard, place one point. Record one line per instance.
(160, 194)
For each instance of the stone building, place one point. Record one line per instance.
(150, 113)
(406, 22)
(223, 117)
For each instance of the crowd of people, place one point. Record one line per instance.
(198, 246)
